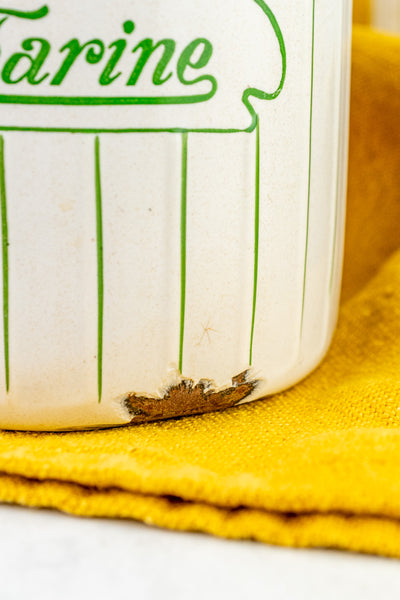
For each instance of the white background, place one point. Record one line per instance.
(50, 556)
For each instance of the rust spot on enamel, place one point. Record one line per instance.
(187, 398)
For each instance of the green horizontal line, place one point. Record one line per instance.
(105, 101)
(31, 15)
(96, 130)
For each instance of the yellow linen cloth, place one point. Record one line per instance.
(316, 466)
(362, 11)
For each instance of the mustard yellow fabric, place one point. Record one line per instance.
(317, 466)
(362, 11)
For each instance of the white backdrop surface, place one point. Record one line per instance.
(46, 555)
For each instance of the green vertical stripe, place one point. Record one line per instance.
(256, 239)
(100, 268)
(4, 233)
(309, 172)
(183, 244)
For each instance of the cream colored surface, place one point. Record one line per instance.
(386, 15)
(88, 556)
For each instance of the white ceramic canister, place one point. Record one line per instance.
(172, 185)
(386, 14)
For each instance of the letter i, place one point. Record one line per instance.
(119, 46)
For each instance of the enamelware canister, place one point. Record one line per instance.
(172, 186)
